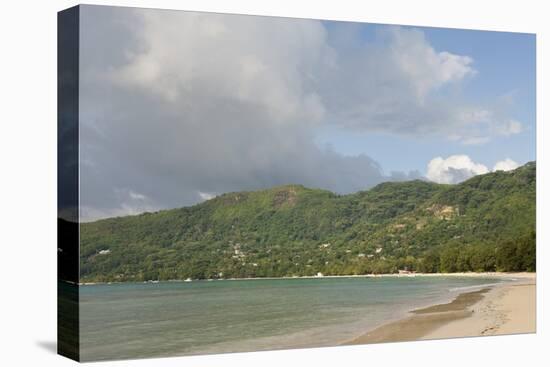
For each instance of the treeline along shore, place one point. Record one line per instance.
(484, 224)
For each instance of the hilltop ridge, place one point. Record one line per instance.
(486, 223)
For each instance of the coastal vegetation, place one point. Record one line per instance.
(486, 223)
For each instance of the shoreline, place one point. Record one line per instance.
(506, 308)
(521, 275)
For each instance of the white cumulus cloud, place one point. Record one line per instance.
(506, 165)
(206, 195)
(453, 169)
(458, 168)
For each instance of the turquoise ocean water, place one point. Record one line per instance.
(137, 320)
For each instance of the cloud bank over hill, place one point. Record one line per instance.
(178, 106)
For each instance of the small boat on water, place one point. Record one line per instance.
(188, 280)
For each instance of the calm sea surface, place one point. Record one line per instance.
(132, 320)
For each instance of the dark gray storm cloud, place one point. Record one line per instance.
(177, 107)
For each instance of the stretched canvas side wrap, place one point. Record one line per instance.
(68, 183)
(236, 183)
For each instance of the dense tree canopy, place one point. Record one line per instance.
(484, 224)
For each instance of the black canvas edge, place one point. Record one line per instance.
(68, 43)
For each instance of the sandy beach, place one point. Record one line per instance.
(508, 308)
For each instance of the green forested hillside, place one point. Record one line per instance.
(484, 224)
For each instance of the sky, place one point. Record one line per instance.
(178, 107)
